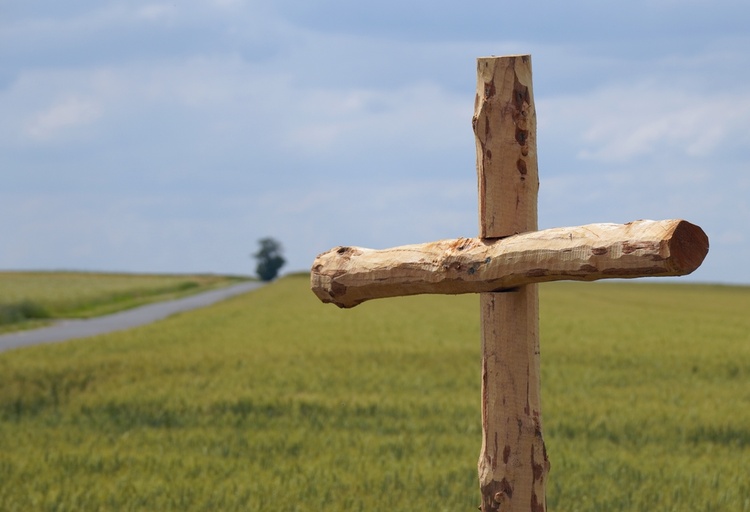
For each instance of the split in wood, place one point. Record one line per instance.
(347, 276)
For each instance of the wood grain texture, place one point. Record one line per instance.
(347, 276)
(513, 461)
(504, 126)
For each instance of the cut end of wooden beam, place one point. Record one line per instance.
(325, 270)
(688, 247)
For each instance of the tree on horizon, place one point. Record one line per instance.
(269, 259)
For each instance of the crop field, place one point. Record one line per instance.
(273, 401)
(27, 299)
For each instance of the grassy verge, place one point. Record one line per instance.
(273, 401)
(29, 299)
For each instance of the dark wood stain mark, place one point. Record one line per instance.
(489, 90)
(494, 454)
(521, 166)
(628, 247)
(506, 488)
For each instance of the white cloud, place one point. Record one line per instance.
(621, 123)
(233, 105)
(65, 115)
(228, 3)
(418, 117)
(156, 12)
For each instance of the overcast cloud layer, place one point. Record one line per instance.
(171, 136)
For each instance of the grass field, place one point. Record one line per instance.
(28, 299)
(273, 401)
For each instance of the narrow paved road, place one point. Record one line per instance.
(72, 329)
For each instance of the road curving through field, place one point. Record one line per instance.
(72, 329)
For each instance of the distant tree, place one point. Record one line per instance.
(269, 259)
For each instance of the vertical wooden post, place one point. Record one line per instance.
(513, 462)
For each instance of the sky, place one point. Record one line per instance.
(150, 136)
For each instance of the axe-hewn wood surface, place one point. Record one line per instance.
(513, 462)
(347, 276)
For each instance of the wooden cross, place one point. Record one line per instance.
(504, 264)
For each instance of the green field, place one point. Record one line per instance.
(29, 299)
(273, 401)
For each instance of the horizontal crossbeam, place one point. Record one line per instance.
(347, 276)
